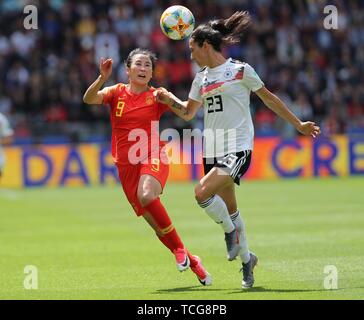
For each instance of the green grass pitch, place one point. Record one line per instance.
(87, 243)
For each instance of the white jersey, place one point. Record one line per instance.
(5, 131)
(225, 94)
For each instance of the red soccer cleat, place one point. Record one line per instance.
(182, 260)
(202, 275)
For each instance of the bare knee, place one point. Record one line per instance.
(146, 197)
(201, 193)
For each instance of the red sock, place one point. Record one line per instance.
(165, 241)
(193, 261)
(160, 216)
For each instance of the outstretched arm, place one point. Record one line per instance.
(184, 109)
(278, 106)
(93, 94)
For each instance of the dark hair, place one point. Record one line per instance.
(150, 54)
(222, 31)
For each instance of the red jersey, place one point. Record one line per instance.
(131, 117)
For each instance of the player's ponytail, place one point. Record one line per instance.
(220, 26)
(222, 31)
(232, 28)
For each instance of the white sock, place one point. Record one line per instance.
(216, 208)
(240, 226)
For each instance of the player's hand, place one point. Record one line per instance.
(105, 68)
(162, 95)
(309, 128)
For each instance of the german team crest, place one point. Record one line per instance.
(228, 74)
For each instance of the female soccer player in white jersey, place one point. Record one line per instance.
(223, 88)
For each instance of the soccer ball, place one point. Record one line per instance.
(177, 22)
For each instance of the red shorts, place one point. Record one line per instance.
(130, 175)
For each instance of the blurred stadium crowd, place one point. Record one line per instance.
(318, 73)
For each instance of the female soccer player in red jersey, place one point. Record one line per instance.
(134, 107)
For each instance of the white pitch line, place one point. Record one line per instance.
(9, 194)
